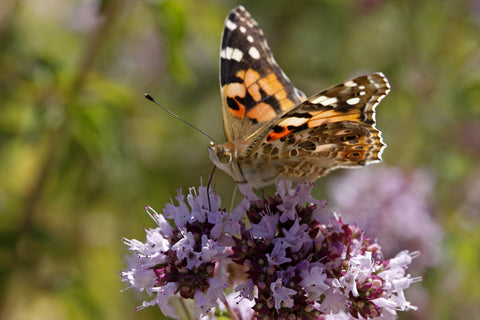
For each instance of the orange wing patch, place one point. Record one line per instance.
(240, 112)
(331, 116)
(249, 77)
(232, 92)
(280, 133)
(262, 112)
(316, 119)
(273, 87)
(260, 89)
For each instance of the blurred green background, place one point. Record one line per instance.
(82, 152)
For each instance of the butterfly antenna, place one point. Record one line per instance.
(149, 97)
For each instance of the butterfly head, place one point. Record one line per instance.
(222, 155)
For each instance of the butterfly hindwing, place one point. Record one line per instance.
(335, 128)
(254, 88)
(354, 100)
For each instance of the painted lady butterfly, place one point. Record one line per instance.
(273, 131)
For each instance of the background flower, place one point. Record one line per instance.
(393, 205)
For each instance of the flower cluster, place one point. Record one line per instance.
(290, 259)
(186, 260)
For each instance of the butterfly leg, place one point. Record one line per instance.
(234, 195)
(265, 201)
(208, 187)
(286, 186)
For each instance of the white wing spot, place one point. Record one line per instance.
(230, 25)
(253, 52)
(231, 54)
(324, 100)
(250, 39)
(299, 94)
(273, 61)
(353, 101)
(361, 87)
(361, 93)
(350, 83)
(293, 121)
(325, 147)
(243, 29)
(237, 55)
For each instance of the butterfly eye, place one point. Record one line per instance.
(226, 157)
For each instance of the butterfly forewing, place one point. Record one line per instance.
(254, 88)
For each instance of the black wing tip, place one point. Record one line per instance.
(240, 12)
(239, 8)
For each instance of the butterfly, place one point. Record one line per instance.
(273, 131)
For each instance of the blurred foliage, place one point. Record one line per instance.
(82, 152)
